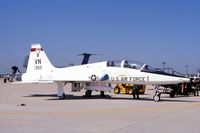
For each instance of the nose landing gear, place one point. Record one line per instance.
(156, 97)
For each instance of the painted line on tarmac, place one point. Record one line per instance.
(80, 112)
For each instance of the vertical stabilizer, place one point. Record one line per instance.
(38, 61)
(39, 67)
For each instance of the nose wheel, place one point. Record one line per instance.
(156, 97)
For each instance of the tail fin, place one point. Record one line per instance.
(39, 68)
(38, 61)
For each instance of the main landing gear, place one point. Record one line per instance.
(88, 93)
(102, 93)
(62, 96)
(60, 87)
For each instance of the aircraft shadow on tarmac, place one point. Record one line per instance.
(72, 97)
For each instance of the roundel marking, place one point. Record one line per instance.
(93, 77)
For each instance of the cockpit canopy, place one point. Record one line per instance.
(140, 66)
(130, 64)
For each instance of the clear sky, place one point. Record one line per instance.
(150, 31)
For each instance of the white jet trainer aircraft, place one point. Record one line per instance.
(94, 76)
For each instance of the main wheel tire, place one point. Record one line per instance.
(116, 90)
(156, 98)
(62, 96)
(5, 80)
(172, 94)
(102, 93)
(88, 93)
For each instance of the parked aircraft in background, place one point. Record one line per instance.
(93, 76)
(86, 57)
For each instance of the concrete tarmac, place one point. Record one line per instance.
(35, 108)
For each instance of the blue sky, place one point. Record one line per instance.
(151, 31)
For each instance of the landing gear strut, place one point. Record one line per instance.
(61, 94)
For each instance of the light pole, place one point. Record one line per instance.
(186, 69)
(164, 65)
